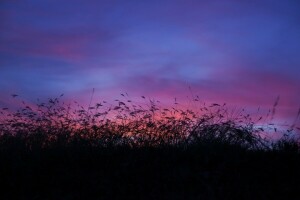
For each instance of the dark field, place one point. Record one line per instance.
(54, 152)
(197, 172)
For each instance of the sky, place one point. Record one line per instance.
(242, 52)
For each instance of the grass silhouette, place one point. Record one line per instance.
(133, 150)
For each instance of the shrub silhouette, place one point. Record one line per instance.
(54, 123)
(132, 150)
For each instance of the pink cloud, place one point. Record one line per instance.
(74, 45)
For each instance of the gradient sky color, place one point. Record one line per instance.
(242, 52)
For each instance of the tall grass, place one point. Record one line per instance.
(142, 150)
(129, 123)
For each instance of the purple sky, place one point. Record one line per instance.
(243, 52)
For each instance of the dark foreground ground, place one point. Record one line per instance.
(196, 172)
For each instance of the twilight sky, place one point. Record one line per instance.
(243, 52)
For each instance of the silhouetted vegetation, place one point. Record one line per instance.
(143, 150)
